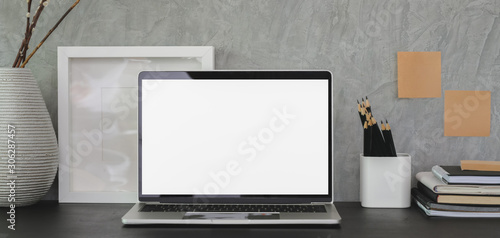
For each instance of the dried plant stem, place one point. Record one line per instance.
(50, 32)
(24, 47)
(25, 44)
(28, 25)
(18, 57)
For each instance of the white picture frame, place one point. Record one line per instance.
(96, 111)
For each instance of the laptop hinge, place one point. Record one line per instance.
(318, 203)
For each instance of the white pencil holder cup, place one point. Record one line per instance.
(385, 182)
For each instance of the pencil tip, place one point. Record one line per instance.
(357, 101)
(366, 97)
(362, 99)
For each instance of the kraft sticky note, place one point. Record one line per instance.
(467, 113)
(419, 74)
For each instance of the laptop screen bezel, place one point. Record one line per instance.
(228, 75)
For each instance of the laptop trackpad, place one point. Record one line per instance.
(230, 215)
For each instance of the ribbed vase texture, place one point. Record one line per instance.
(25, 121)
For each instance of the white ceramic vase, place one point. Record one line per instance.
(28, 147)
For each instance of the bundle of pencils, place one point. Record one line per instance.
(376, 142)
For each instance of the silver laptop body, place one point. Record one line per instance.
(212, 140)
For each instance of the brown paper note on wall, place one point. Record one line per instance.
(419, 74)
(467, 113)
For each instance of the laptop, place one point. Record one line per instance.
(235, 147)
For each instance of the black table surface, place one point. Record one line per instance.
(50, 219)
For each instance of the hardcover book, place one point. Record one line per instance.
(431, 212)
(455, 175)
(458, 199)
(439, 187)
(480, 165)
(431, 205)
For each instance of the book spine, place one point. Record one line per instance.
(418, 196)
(440, 173)
(427, 192)
(429, 180)
(429, 204)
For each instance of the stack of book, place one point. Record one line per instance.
(453, 192)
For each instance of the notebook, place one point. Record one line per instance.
(235, 147)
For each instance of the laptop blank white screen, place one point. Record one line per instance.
(235, 137)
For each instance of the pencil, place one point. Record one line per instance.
(361, 113)
(367, 104)
(378, 140)
(366, 144)
(371, 146)
(390, 140)
(386, 139)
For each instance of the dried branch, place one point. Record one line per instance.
(28, 25)
(21, 56)
(25, 45)
(50, 32)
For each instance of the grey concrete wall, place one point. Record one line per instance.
(357, 40)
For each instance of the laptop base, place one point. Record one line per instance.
(135, 217)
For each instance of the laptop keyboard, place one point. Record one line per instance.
(234, 208)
